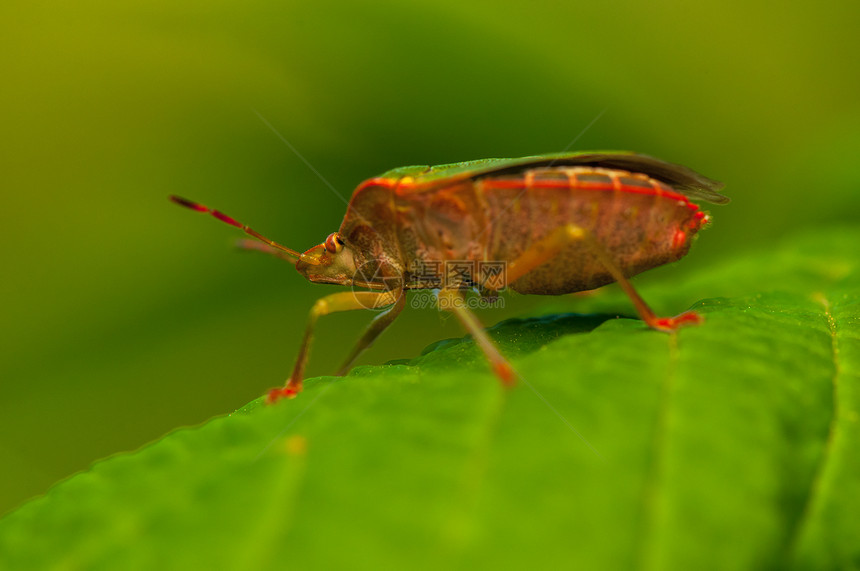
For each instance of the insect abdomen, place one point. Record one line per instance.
(641, 222)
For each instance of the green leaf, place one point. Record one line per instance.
(735, 444)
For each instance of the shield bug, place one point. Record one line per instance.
(555, 224)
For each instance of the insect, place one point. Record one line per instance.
(556, 224)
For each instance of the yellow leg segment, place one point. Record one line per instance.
(377, 326)
(344, 301)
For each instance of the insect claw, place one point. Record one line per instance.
(671, 324)
(505, 372)
(273, 396)
(277, 394)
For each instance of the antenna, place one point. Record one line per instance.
(232, 222)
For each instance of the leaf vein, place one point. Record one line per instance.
(813, 498)
(651, 489)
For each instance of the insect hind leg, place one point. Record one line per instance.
(550, 246)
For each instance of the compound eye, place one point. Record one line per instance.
(334, 243)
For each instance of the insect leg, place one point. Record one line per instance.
(344, 301)
(377, 326)
(545, 249)
(452, 300)
(667, 324)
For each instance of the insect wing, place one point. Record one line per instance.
(684, 180)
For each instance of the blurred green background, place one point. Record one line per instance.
(125, 317)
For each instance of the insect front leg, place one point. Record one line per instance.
(545, 249)
(377, 326)
(344, 301)
(452, 300)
